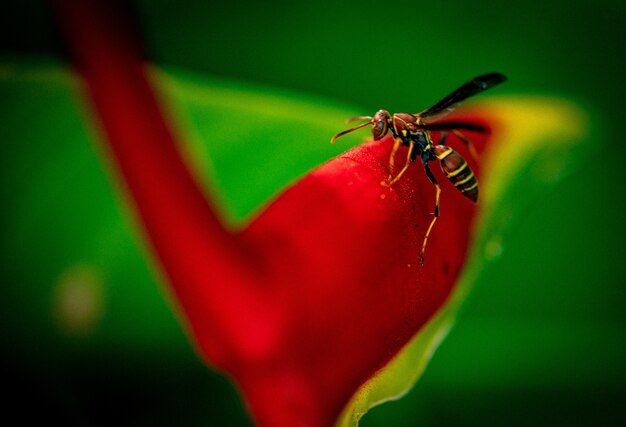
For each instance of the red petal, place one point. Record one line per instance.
(341, 258)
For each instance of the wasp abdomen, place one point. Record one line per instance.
(457, 171)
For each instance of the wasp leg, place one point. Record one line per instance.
(433, 180)
(443, 137)
(394, 150)
(406, 165)
(465, 140)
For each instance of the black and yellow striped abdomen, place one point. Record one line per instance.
(457, 171)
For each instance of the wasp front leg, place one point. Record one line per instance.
(406, 164)
(433, 180)
(396, 145)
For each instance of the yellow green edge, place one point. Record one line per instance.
(532, 131)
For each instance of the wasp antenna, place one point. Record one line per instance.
(355, 119)
(334, 138)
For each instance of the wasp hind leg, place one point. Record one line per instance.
(433, 180)
(463, 138)
(391, 181)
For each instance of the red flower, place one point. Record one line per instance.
(317, 293)
(336, 288)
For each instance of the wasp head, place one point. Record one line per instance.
(380, 125)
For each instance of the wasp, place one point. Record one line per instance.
(413, 131)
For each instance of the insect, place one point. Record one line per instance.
(413, 131)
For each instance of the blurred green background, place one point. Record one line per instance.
(542, 340)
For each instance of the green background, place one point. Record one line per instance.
(541, 340)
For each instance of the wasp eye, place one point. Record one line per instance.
(379, 129)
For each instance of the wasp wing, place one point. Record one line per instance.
(471, 88)
(455, 126)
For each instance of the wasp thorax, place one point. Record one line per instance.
(379, 124)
